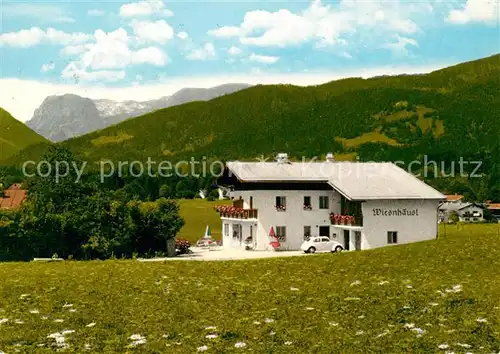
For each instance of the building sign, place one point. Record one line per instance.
(395, 212)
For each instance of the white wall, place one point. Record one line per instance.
(471, 209)
(294, 218)
(409, 228)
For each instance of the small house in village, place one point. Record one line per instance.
(466, 212)
(360, 205)
(13, 197)
(494, 209)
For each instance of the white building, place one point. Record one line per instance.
(466, 212)
(296, 200)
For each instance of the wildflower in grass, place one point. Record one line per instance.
(23, 296)
(409, 325)
(272, 333)
(361, 317)
(451, 330)
(256, 322)
(359, 333)
(443, 346)
(240, 345)
(406, 307)
(409, 286)
(384, 333)
(210, 328)
(203, 348)
(211, 336)
(44, 317)
(137, 340)
(90, 325)
(333, 324)
(383, 282)
(67, 305)
(59, 320)
(34, 311)
(356, 282)
(433, 304)
(454, 289)
(309, 308)
(18, 322)
(268, 320)
(294, 289)
(418, 330)
(86, 346)
(481, 320)
(352, 299)
(464, 345)
(288, 343)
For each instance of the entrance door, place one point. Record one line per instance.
(324, 231)
(347, 239)
(357, 240)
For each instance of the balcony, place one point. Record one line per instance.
(346, 220)
(227, 211)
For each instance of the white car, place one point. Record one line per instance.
(321, 244)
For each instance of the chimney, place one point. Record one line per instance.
(329, 157)
(282, 157)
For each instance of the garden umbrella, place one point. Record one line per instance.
(208, 232)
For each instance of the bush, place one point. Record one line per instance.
(182, 246)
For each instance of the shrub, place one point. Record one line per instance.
(182, 246)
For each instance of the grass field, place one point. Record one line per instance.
(429, 297)
(197, 214)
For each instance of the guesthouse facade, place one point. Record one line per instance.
(277, 205)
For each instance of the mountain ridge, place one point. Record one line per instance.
(61, 117)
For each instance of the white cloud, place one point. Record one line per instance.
(183, 35)
(476, 11)
(399, 47)
(40, 12)
(323, 24)
(234, 51)
(30, 37)
(156, 32)
(204, 53)
(108, 51)
(48, 67)
(75, 73)
(263, 58)
(95, 12)
(226, 32)
(22, 106)
(145, 8)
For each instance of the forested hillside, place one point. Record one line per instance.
(15, 136)
(449, 114)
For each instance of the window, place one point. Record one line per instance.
(307, 203)
(226, 229)
(323, 202)
(392, 237)
(307, 232)
(281, 233)
(281, 203)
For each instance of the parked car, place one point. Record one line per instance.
(321, 244)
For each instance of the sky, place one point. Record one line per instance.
(149, 49)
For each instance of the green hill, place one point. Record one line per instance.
(445, 115)
(15, 136)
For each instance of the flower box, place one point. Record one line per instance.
(280, 208)
(307, 207)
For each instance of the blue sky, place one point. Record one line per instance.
(147, 49)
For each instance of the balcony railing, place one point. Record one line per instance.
(349, 220)
(227, 211)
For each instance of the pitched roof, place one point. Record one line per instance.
(454, 197)
(493, 206)
(13, 197)
(355, 180)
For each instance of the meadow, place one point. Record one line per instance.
(429, 297)
(198, 214)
